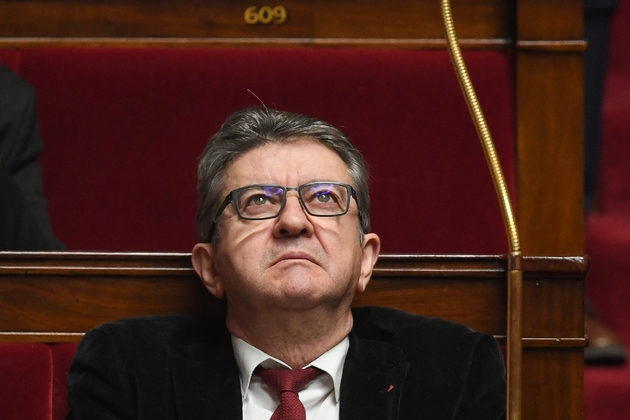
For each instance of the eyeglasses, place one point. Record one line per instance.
(259, 202)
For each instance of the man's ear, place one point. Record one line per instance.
(203, 262)
(369, 254)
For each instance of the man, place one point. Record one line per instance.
(24, 223)
(285, 235)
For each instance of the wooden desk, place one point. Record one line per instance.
(56, 297)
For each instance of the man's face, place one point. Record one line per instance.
(295, 261)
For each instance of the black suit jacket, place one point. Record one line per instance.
(399, 366)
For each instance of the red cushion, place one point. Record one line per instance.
(606, 390)
(124, 128)
(607, 243)
(62, 357)
(25, 381)
(10, 58)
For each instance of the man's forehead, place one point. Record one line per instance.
(302, 159)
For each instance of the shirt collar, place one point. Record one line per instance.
(249, 357)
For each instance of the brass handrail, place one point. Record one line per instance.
(515, 274)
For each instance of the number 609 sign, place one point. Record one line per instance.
(265, 15)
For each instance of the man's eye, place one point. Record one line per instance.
(323, 197)
(259, 200)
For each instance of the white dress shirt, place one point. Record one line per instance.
(320, 397)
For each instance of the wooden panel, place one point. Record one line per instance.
(550, 126)
(550, 185)
(55, 297)
(547, 300)
(549, 49)
(553, 385)
(73, 292)
(550, 19)
(482, 19)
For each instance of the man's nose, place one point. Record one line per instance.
(293, 221)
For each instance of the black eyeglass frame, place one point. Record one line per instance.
(232, 197)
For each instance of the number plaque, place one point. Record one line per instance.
(265, 15)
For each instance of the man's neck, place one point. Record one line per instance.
(295, 338)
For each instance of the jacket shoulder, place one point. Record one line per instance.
(424, 340)
(385, 322)
(453, 371)
(159, 334)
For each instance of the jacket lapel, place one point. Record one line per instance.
(206, 382)
(372, 380)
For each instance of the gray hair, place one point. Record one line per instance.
(251, 128)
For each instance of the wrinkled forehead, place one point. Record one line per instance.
(288, 163)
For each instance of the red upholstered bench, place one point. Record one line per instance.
(33, 380)
(123, 129)
(607, 231)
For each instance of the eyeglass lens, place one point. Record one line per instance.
(319, 199)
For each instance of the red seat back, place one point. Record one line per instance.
(124, 128)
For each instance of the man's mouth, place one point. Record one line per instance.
(295, 256)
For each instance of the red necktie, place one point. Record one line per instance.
(287, 383)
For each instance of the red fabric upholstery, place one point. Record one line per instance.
(606, 389)
(62, 357)
(26, 371)
(10, 59)
(124, 128)
(33, 380)
(608, 230)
